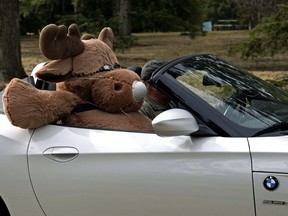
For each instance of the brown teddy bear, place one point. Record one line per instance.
(87, 74)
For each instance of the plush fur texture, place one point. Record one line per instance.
(133, 121)
(27, 107)
(96, 54)
(56, 42)
(75, 67)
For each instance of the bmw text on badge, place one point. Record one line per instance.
(271, 183)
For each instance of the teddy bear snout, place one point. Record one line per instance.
(118, 86)
(139, 90)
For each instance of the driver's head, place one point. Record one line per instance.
(146, 74)
(149, 68)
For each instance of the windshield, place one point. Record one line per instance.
(238, 95)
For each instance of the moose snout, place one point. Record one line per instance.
(139, 90)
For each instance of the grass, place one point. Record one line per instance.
(172, 45)
(168, 46)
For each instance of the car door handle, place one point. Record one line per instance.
(61, 154)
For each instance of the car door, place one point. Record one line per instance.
(15, 186)
(77, 171)
(270, 174)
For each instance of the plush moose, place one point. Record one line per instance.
(87, 74)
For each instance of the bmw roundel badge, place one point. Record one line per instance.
(271, 183)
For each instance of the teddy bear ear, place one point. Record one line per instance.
(58, 42)
(106, 35)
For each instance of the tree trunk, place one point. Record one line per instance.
(10, 52)
(124, 16)
(255, 10)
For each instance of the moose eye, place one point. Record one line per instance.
(117, 86)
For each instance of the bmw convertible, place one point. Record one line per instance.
(222, 152)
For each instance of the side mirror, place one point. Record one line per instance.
(174, 122)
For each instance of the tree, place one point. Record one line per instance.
(268, 37)
(168, 15)
(10, 51)
(122, 10)
(222, 9)
(256, 10)
(125, 16)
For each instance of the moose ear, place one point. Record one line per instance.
(106, 35)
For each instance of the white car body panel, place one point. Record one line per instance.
(271, 202)
(269, 154)
(269, 158)
(15, 184)
(126, 173)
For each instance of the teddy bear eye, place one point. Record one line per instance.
(117, 86)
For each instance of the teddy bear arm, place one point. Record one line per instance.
(95, 118)
(27, 107)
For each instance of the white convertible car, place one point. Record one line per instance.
(222, 152)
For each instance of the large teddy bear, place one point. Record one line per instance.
(87, 74)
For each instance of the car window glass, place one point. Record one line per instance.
(236, 94)
(212, 94)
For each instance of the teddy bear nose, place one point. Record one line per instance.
(139, 90)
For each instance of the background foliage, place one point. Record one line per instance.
(146, 15)
(184, 16)
(268, 38)
(93, 15)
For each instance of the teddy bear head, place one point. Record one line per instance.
(89, 68)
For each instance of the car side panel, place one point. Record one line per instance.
(15, 186)
(270, 158)
(125, 174)
(271, 202)
(269, 154)
(222, 167)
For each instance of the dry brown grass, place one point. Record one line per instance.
(173, 45)
(30, 53)
(168, 46)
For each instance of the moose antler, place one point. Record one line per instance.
(57, 43)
